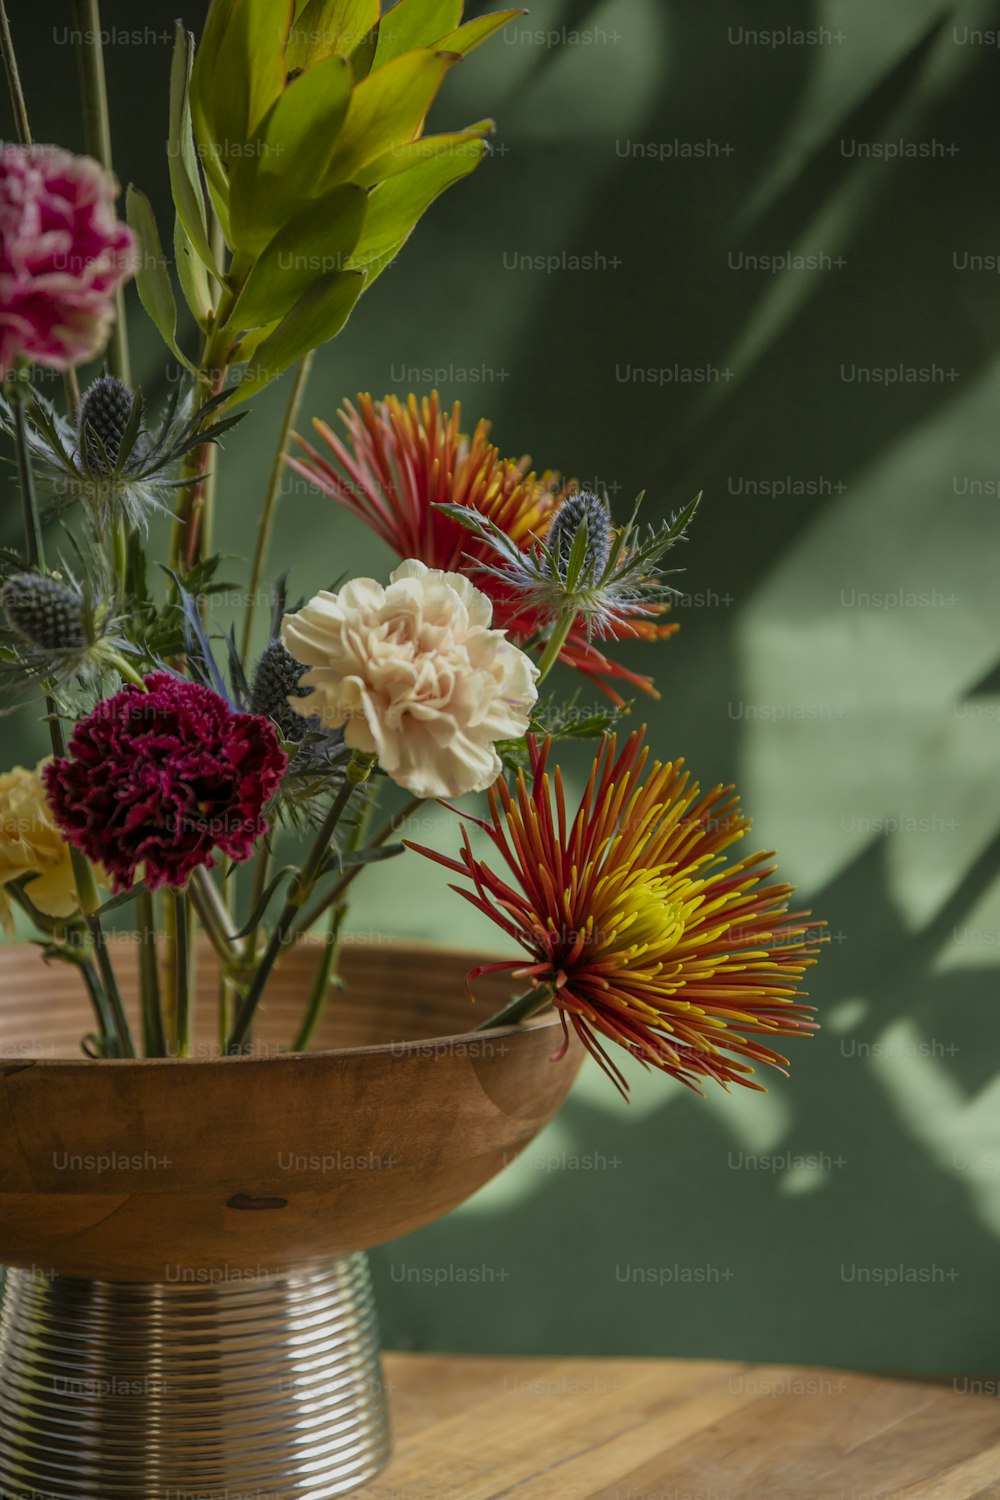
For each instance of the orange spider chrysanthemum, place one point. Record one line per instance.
(646, 933)
(399, 461)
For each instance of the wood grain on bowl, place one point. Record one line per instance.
(218, 1168)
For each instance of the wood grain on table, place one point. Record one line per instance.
(476, 1428)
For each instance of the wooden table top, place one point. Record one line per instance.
(471, 1428)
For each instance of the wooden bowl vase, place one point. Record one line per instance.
(204, 1219)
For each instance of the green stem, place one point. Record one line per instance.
(182, 972)
(153, 1039)
(358, 772)
(216, 921)
(86, 886)
(191, 538)
(17, 100)
(321, 988)
(525, 1005)
(169, 988)
(97, 137)
(71, 386)
(262, 870)
(124, 668)
(71, 945)
(556, 642)
(96, 993)
(89, 899)
(119, 1020)
(55, 927)
(266, 526)
(77, 952)
(385, 833)
(25, 478)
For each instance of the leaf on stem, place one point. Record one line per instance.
(185, 176)
(312, 245)
(325, 27)
(290, 153)
(414, 23)
(464, 39)
(314, 319)
(152, 278)
(395, 206)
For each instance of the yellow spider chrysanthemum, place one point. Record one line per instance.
(646, 934)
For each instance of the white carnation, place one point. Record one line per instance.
(415, 675)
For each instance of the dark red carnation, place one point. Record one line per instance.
(162, 779)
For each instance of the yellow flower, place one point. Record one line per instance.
(632, 914)
(31, 845)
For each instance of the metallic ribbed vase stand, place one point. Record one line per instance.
(253, 1389)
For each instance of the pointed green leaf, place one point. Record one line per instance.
(122, 899)
(252, 340)
(363, 55)
(310, 247)
(387, 109)
(235, 81)
(401, 158)
(325, 27)
(577, 556)
(152, 278)
(290, 153)
(395, 207)
(257, 915)
(351, 859)
(414, 23)
(203, 96)
(132, 428)
(314, 319)
(185, 178)
(192, 275)
(466, 38)
(253, 59)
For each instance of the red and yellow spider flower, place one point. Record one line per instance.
(633, 916)
(399, 461)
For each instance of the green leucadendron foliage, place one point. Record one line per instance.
(300, 123)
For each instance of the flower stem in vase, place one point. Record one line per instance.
(357, 773)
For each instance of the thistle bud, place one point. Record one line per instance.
(104, 416)
(276, 679)
(591, 512)
(45, 611)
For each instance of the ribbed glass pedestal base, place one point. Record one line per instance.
(251, 1389)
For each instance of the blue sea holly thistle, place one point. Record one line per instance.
(584, 571)
(114, 459)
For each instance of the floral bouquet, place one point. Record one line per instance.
(180, 750)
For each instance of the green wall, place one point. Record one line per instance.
(840, 633)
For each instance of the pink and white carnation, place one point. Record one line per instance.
(63, 256)
(415, 675)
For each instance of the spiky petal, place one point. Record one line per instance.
(400, 461)
(648, 935)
